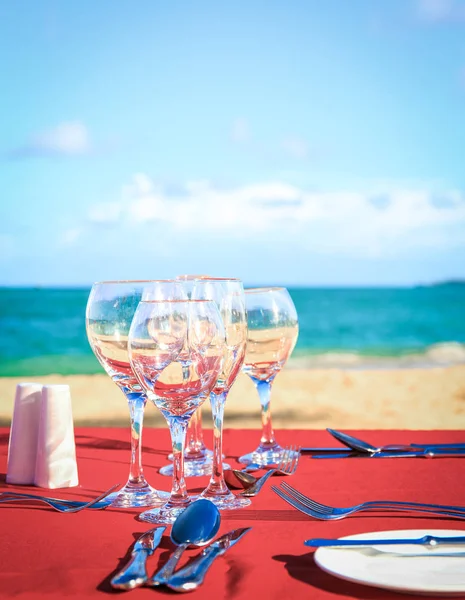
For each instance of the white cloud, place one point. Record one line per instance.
(240, 131)
(435, 10)
(142, 184)
(441, 11)
(333, 222)
(71, 137)
(295, 146)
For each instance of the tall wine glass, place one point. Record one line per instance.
(197, 457)
(110, 309)
(228, 294)
(176, 349)
(272, 334)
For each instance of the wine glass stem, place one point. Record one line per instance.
(136, 402)
(178, 429)
(195, 443)
(264, 391)
(217, 484)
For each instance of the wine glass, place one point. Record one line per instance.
(110, 309)
(272, 334)
(176, 350)
(197, 457)
(228, 294)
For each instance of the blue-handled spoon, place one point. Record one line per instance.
(195, 526)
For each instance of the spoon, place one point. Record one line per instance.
(242, 479)
(239, 480)
(195, 526)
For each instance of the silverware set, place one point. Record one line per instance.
(357, 448)
(186, 579)
(196, 526)
(362, 446)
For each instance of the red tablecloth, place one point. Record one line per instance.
(47, 554)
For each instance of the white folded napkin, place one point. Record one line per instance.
(22, 447)
(56, 465)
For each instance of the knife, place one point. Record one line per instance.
(191, 577)
(135, 573)
(393, 449)
(426, 453)
(427, 540)
(441, 446)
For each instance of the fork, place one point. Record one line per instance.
(7, 495)
(328, 513)
(286, 466)
(68, 506)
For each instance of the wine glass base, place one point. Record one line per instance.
(228, 501)
(132, 497)
(164, 514)
(193, 468)
(262, 457)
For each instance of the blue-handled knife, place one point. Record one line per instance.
(191, 577)
(427, 540)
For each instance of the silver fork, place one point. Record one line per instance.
(9, 495)
(327, 513)
(67, 506)
(286, 466)
(373, 504)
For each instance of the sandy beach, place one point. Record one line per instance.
(416, 398)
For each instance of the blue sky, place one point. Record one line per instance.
(299, 142)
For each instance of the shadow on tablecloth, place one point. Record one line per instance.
(263, 515)
(87, 441)
(303, 568)
(4, 439)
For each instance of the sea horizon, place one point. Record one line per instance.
(352, 327)
(329, 286)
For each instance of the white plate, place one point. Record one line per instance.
(399, 568)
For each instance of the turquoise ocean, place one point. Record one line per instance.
(42, 331)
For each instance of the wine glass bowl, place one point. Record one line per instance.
(176, 350)
(272, 334)
(228, 295)
(198, 458)
(109, 313)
